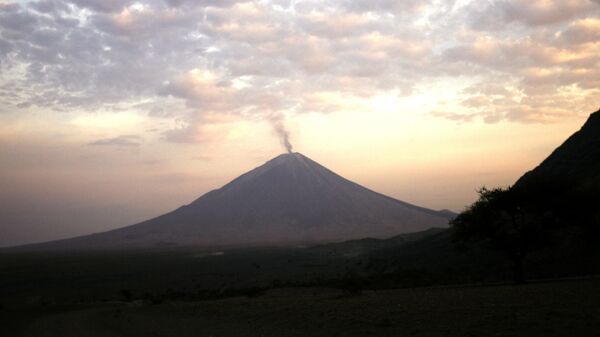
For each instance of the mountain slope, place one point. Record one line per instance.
(288, 199)
(575, 163)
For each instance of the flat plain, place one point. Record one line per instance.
(556, 308)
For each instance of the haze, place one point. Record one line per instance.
(112, 112)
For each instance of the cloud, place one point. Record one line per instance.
(548, 65)
(49, 6)
(389, 6)
(186, 59)
(120, 141)
(104, 6)
(527, 12)
(203, 3)
(581, 31)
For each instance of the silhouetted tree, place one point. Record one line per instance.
(507, 220)
(126, 295)
(570, 206)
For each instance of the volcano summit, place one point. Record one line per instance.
(289, 199)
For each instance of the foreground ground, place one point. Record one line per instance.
(558, 308)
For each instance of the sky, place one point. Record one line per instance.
(115, 111)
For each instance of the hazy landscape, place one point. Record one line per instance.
(299, 168)
(368, 286)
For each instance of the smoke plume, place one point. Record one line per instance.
(284, 135)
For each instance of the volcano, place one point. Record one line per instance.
(289, 199)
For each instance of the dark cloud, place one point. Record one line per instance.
(104, 6)
(391, 6)
(18, 21)
(203, 3)
(122, 141)
(496, 14)
(49, 6)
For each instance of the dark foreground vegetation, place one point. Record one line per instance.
(556, 206)
(414, 284)
(566, 308)
(411, 260)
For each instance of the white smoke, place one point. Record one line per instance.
(282, 132)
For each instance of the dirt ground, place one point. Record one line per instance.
(559, 308)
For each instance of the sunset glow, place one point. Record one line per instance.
(112, 112)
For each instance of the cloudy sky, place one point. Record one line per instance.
(114, 111)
